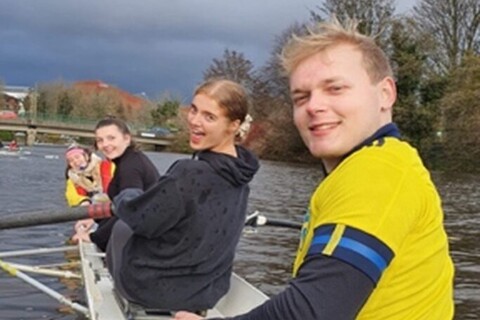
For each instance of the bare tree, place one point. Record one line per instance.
(454, 27)
(49, 97)
(233, 66)
(276, 106)
(374, 16)
(271, 73)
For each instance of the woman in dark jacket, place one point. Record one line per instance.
(174, 245)
(133, 169)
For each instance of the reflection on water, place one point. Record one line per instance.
(280, 190)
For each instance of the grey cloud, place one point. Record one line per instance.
(145, 45)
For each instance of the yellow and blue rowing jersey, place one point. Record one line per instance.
(379, 212)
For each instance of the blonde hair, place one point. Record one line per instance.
(329, 34)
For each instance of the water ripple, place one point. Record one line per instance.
(280, 190)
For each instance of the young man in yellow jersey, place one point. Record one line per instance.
(373, 245)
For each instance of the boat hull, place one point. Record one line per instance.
(105, 304)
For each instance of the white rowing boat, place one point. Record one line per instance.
(103, 303)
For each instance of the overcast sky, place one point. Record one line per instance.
(151, 46)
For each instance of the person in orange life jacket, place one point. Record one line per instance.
(87, 176)
(133, 169)
(173, 246)
(373, 244)
(87, 179)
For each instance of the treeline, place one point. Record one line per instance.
(435, 54)
(80, 105)
(434, 49)
(90, 104)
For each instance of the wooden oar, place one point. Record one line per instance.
(36, 218)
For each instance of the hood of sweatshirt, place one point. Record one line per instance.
(237, 170)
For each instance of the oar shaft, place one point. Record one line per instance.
(40, 286)
(35, 218)
(256, 219)
(38, 251)
(45, 271)
(283, 223)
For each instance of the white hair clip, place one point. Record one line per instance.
(244, 127)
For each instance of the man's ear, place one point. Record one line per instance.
(388, 93)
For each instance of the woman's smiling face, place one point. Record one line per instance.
(111, 141)
(210, 128)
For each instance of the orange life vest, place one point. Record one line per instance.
(106, 174)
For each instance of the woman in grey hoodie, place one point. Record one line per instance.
(173, 246)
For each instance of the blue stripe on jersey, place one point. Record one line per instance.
(357, 248)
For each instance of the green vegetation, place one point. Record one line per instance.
(67, 101)
(435, 55)
(434, 50)
(165, 113)
(6, 136)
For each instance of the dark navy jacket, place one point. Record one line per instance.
(185, 231)
(133, 169)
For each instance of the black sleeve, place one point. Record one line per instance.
(131, 174)
(101, 236)
(325, 288)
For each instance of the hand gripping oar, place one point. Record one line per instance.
(36, 218)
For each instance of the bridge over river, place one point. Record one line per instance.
(54, 124)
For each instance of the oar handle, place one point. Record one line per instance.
(256, 219)
(36, 218)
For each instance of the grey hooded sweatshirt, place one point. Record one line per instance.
(185, 231)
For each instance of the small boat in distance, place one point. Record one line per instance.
(11, 149)
(7, 152)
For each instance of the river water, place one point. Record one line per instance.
(35, 180)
